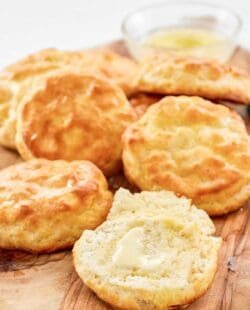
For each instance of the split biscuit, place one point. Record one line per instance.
(194, 148)
(148, 262)
(147, 204)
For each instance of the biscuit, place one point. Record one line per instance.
(14, 85)
(146, 262)
(193, 77)
(119, 69)
(141, 101)
(45, 205)
(73, 116)
(7, 114)
(191, 147)
(11, 95)
(112, 66)
(41, 61)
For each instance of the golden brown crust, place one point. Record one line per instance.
(193, 77)
(192, 147)
(122, 70)
(72, 117)
(8, 91)
(107, 64)
(110, 296)
(45, 205)
(18, 80)
(37, 66)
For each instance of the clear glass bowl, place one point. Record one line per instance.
(223, 22)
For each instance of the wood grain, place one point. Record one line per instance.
(49, 282)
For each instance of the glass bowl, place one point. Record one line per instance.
(219, 21)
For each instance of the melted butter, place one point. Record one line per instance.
(181, 38)
(185, 42)
(129, 252)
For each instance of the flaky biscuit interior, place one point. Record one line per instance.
(158, 204)
(147, 261)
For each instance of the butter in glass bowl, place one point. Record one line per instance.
(182, 28)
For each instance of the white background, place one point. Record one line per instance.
(29, 25)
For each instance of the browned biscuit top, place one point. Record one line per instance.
(19, 79)
(72, 117)
(192, 147)
(193, 77)
(45, 205)
(103, 62)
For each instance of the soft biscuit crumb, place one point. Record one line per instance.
(154, 251)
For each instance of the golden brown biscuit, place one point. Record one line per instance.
(45, 205)
(108, 64)
(73, 116)
(193, 77)
(7, 117)
(15, 83)
(37, 66)
(141, 101)
(11, 95)
(194, 148)
(120, 69)
(149, 262)
(42, 61)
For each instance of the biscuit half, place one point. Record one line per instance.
(148, 262)
(45, 205)
(191, 147)
(73, 116)
(193, 77)
(158, 204)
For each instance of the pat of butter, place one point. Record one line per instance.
(129, 252)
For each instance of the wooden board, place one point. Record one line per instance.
(49, 282)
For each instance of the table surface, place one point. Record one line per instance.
(28, 25)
